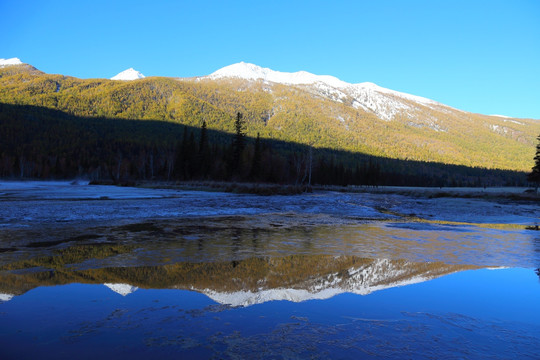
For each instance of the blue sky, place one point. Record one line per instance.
(479, 56)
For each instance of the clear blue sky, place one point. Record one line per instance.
(479, 56)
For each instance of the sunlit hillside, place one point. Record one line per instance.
(320, 116)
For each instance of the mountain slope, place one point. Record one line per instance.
(367, 96)
(365, 117)
(320, 111)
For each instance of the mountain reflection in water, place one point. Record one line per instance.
(169, 274)
(239, 282)
(461, 315)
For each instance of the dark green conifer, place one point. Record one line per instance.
(534, 175)
(238, 142)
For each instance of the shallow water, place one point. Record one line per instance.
(104, 271)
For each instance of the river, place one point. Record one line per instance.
(103, 271)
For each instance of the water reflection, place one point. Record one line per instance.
(462, 315)
(241, 237)
(536, 245)
(237, 282)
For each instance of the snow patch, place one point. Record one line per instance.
(129, 74)
(10, 62)
(122, 289)
(247, 298)
(513, 121)
(498, 129)
(6, 297)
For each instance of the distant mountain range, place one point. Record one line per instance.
(300, 107)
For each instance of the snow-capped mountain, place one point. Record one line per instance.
(122, 289)
(385, 103)
(129, 74)
(10, 62)
(300, 107)
(248, 71)
(363, 280)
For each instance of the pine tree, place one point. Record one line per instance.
(238, 142)
(534, 176)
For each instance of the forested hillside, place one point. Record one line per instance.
(54, 126)
(43, 143)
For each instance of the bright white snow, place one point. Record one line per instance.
(6, 297)
(129, 74)
(381, 274)
(9, 62)
(385, 103)
(247, 298)
(513, 121)
(248, 71)
(122, 289)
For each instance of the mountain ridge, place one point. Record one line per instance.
(367, 95)
(361, 118)
(249, 71)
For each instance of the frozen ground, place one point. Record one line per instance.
(34, 203)
(26, 204)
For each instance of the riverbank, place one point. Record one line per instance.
(218, 186)
(508, 193)
(267, 189)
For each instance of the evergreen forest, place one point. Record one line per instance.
(49, 144)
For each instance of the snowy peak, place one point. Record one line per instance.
(248, 71)
(129, 74)
(385, 103)
(10, 62)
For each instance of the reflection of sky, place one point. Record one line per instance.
(480, 313)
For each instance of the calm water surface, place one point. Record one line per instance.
(111, 272)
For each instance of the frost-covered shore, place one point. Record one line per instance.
(510, 193)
